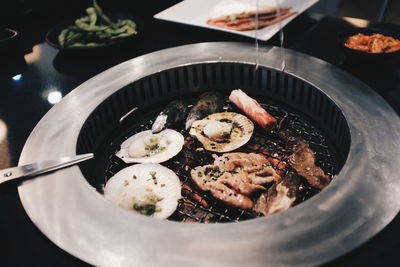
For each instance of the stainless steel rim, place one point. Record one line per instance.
(363, 198)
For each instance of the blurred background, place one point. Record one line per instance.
(25, 16)
(374, 10)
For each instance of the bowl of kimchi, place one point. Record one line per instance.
(370, 43)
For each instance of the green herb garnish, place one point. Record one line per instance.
(148, 206)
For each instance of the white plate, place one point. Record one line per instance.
(197, 12)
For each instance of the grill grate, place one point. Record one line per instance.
(200, 206)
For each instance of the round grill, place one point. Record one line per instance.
(188, 82)
(341, 117)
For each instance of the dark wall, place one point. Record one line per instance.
(363, 9)
(24, 13)
(38, 16)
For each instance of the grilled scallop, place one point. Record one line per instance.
(223, 132)
(147, 147)
(148, 188)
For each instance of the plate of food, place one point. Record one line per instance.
(95, 30)
(252, 18)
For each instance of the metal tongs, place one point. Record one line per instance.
(34, 169)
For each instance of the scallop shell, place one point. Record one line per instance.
(172, 149)
(135, 182)
(245, 131)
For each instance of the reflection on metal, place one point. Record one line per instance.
(354, 207)
(34, 55)
(39, 168)
(17, 77)
(5, 158)
(54, 97)
(357, 22)
(127, 114)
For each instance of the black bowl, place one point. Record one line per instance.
(357, 55)
(52, 34)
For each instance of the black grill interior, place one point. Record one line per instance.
(316, 118)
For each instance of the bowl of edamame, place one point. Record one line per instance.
(96, 30)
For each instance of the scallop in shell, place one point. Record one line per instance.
(223, 132)
(148, 188)
(148, 147)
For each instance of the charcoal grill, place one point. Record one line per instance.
(341, 117)
(205, 208)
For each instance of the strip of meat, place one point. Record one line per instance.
(268, 12)
(235, 23)
(252, 24)
(244, 22)
(265, 12)
(279, 197)
(303, 161)
(235, 176)
(253, 109)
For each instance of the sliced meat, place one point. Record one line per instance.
(249, 25)
(303, 161)
(280, 196)
(235, 176)
(253, 109)
(269, 11)
(246, 21)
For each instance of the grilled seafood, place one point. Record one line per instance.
(150, 189)
(253, 109)
(223, 132)
(173, 113)
(269, 177)
(234, 176)
(209, 103)
(147, 147)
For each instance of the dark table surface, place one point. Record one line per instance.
(24, 102)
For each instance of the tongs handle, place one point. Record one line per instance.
(35, 169)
